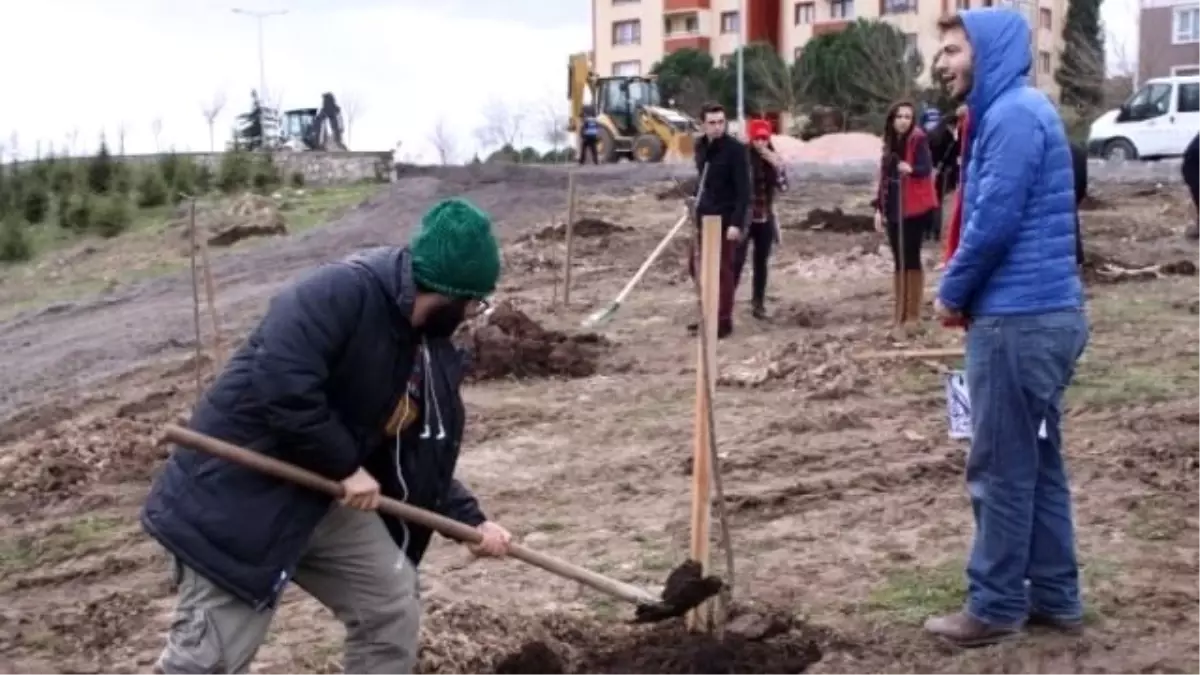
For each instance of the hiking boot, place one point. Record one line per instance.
(962, 630)
(1068, 626)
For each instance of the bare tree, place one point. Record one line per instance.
(156, 129)
(352, 108)
(73, 141)
(122, 130)
(502, 125)
(443, 142)
(554, 124)
(14, 146)
(211, 111)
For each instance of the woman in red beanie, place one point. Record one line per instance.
(906, 203)
(767, 176)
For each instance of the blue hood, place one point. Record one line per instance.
(1000, 40)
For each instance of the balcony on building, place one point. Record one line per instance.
(841, 13)
(685, 5)
(682, 30)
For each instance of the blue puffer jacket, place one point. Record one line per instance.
(1017, 252)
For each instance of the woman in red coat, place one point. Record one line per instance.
(905, 205)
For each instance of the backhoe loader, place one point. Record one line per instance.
(633, 121)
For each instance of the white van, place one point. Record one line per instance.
(1159, 120)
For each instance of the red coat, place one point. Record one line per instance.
(920, 194)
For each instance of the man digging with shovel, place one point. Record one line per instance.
(351, 375)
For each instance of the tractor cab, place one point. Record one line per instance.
(295, 128)
(621, 97)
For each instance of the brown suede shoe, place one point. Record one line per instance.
(1068, 626)
(962, 630)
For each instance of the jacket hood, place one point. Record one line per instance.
(391, 267)
(1000, 40)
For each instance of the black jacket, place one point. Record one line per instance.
(727, 185)
(943, 146)
(1079, 163)
(314, 384)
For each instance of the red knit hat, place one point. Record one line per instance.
(760, 129)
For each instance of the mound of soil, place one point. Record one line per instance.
(507, 343)
(822, 368)
(584, 227)
(243, 217)
(468, 638)
(681, 189)
(835, 220)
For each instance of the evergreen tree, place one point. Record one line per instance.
(101, 170)
(1081, 69)
(257, 128)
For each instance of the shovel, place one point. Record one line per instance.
(685, 590)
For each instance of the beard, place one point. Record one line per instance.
(968, 82)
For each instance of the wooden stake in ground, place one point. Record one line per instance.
(196, 298)
(211, 292)
(708, 269)
(570, 232)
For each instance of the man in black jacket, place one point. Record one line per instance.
(1080, 165)
(350, 374)
(724, 166)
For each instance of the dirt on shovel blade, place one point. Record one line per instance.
(686, 588)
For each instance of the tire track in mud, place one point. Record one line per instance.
(68, 347)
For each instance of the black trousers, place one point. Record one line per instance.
(762, 238)
(588, 145)
(1191, 169)
(914, 228)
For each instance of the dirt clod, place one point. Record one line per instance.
(533, 657)
(584, 227)
(507, 343)
(835, 220)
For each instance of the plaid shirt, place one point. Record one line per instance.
(760, 199)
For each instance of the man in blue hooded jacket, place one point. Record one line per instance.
(1013, 279)
(350, 374)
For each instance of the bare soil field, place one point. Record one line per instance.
(849, 517)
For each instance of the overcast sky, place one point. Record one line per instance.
(409, 63)
(77, 67)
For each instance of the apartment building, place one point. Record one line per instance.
(629, 36)
(1168, 38)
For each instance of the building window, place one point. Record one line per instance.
(1045, 19)
(1185, 71)
(841, 9)
(688, 24)
(1185, 25)
(1189, 98)
(804, 13)
(627, 32)
(730, 22)
(1043, 62)
(627, 68)
(897, 6)
(911, 48)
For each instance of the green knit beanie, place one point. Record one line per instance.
(455, 253)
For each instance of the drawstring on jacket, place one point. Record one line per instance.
(431, 395)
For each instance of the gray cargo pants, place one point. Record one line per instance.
(352, 566)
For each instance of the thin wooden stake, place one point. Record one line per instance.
(210, 291)
(196, 300)
(570, 238)
(708, 269)
(932, 353)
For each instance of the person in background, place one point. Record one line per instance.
(905, 202)
(767, 176)
(723, 163)
(944, 146)
(1011, 279)
(1079, 164)
(589, 136)
(1191, 176)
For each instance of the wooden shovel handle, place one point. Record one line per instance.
(440, 524)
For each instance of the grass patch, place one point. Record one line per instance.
(24, 552)
(320, 205)
(1105, 381)
(915, 594)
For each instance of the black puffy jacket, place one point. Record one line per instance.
(314, 384)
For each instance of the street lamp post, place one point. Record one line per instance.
(259, 17)
(741, 66)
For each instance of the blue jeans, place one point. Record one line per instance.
(1017, 370)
